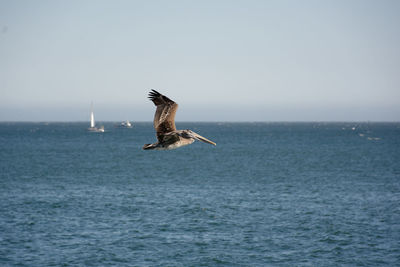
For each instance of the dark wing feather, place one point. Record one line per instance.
(164, 118)
(168, 138)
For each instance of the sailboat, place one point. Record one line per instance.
(93, 127)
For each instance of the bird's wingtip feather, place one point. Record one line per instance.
(153, 94)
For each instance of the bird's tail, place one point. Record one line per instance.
(149, 146)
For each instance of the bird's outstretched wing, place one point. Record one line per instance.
(164, 118)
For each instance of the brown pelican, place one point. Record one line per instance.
(164, 123)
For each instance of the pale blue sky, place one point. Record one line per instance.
(219, 60)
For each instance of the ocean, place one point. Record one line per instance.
(269, 194)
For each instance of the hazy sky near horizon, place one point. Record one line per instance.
(219, 60)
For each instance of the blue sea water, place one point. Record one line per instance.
(269, 194)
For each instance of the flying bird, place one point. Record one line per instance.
(168, 137)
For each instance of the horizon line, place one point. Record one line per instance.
(208, 121)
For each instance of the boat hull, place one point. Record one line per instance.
(96, 130)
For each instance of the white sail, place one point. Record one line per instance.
(92, 119)
(92, 123)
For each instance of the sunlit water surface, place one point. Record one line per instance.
(269, 194)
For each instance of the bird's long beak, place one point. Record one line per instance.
(203, 139)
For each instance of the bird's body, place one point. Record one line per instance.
(164, 123)
(172, 140)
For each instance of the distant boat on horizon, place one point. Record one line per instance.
(125, 124)
(93, 127)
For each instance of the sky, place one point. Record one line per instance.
(245, 60)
